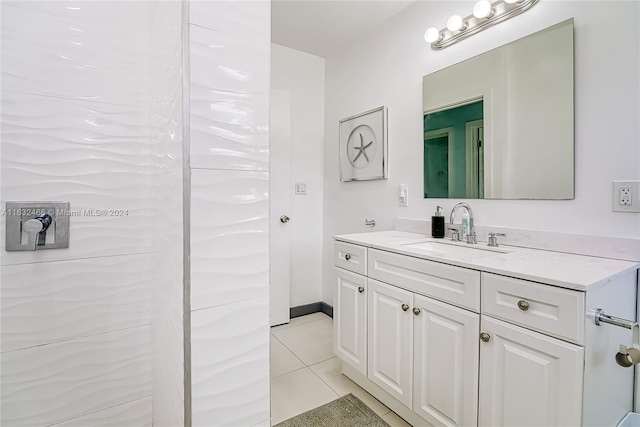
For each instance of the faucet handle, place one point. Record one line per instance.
(471, 238)
(455, 234)
(493, 239)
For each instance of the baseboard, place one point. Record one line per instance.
(316, 307)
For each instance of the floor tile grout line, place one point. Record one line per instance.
(326, 383)
(298, 357)
(309, 366)
(290, 372)
(291, 351)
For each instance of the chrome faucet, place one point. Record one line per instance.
(471, 235)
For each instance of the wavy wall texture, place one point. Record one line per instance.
(76, 335)
(229, 237)
(56, 382)
(134, 413)
(56, 301)
(229, 129)
(167, 263)
(229, 366)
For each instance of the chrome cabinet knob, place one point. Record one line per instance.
(523, 305)
(416, 310)
(405, 307)
(360, 289)
(284, 219)
(485, 337)
(347, 257)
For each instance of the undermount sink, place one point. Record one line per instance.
(455, 250)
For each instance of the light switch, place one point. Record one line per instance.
(301, 188)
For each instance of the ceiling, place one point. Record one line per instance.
(323, 28)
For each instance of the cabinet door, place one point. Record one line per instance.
(390, 339)
(445, 353)
(528, 379)
(350, 320)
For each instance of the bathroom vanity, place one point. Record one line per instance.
(454, 334)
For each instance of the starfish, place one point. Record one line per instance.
(361, 149)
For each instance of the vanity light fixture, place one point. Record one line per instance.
(482, 9)
(485, 14)
(456, 23)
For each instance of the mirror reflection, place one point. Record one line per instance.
(500, 125)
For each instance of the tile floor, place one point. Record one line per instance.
(306, 374)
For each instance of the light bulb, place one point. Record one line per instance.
(511, 1)
(455, 23)
(431, 35)
(482, 9)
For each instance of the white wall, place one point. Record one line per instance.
(301, 75)
(76, 341)
(229, 47)
(386, 68)
(167, 326)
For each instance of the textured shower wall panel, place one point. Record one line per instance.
(76, 334)
(71, 49)
(53, 383)
(229, 145)
(229, 369)
(96, 156)
(166, 137)
(229, 103)
(56, 301)
(229, 237)
(135, 413)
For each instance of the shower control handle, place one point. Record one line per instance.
(33, 227)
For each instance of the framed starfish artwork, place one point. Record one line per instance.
(363, 146)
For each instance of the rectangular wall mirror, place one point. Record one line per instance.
(500, 125)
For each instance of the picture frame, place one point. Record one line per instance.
(363, 146)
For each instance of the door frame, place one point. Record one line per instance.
(439, 133)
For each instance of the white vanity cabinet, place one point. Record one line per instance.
(528, 378)
(350, 320)
(350, 306)
(445, 363)
(447, 345)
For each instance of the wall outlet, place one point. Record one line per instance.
(626, 196)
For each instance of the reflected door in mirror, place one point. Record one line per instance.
(454, 151)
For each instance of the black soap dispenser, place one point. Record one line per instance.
(437, 224)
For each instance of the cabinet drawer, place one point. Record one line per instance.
(350, 257)
(548, 309)
(455, 285)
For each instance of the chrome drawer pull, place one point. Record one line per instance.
(523, 305)
(347, 257)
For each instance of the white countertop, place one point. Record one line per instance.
(570, 271)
